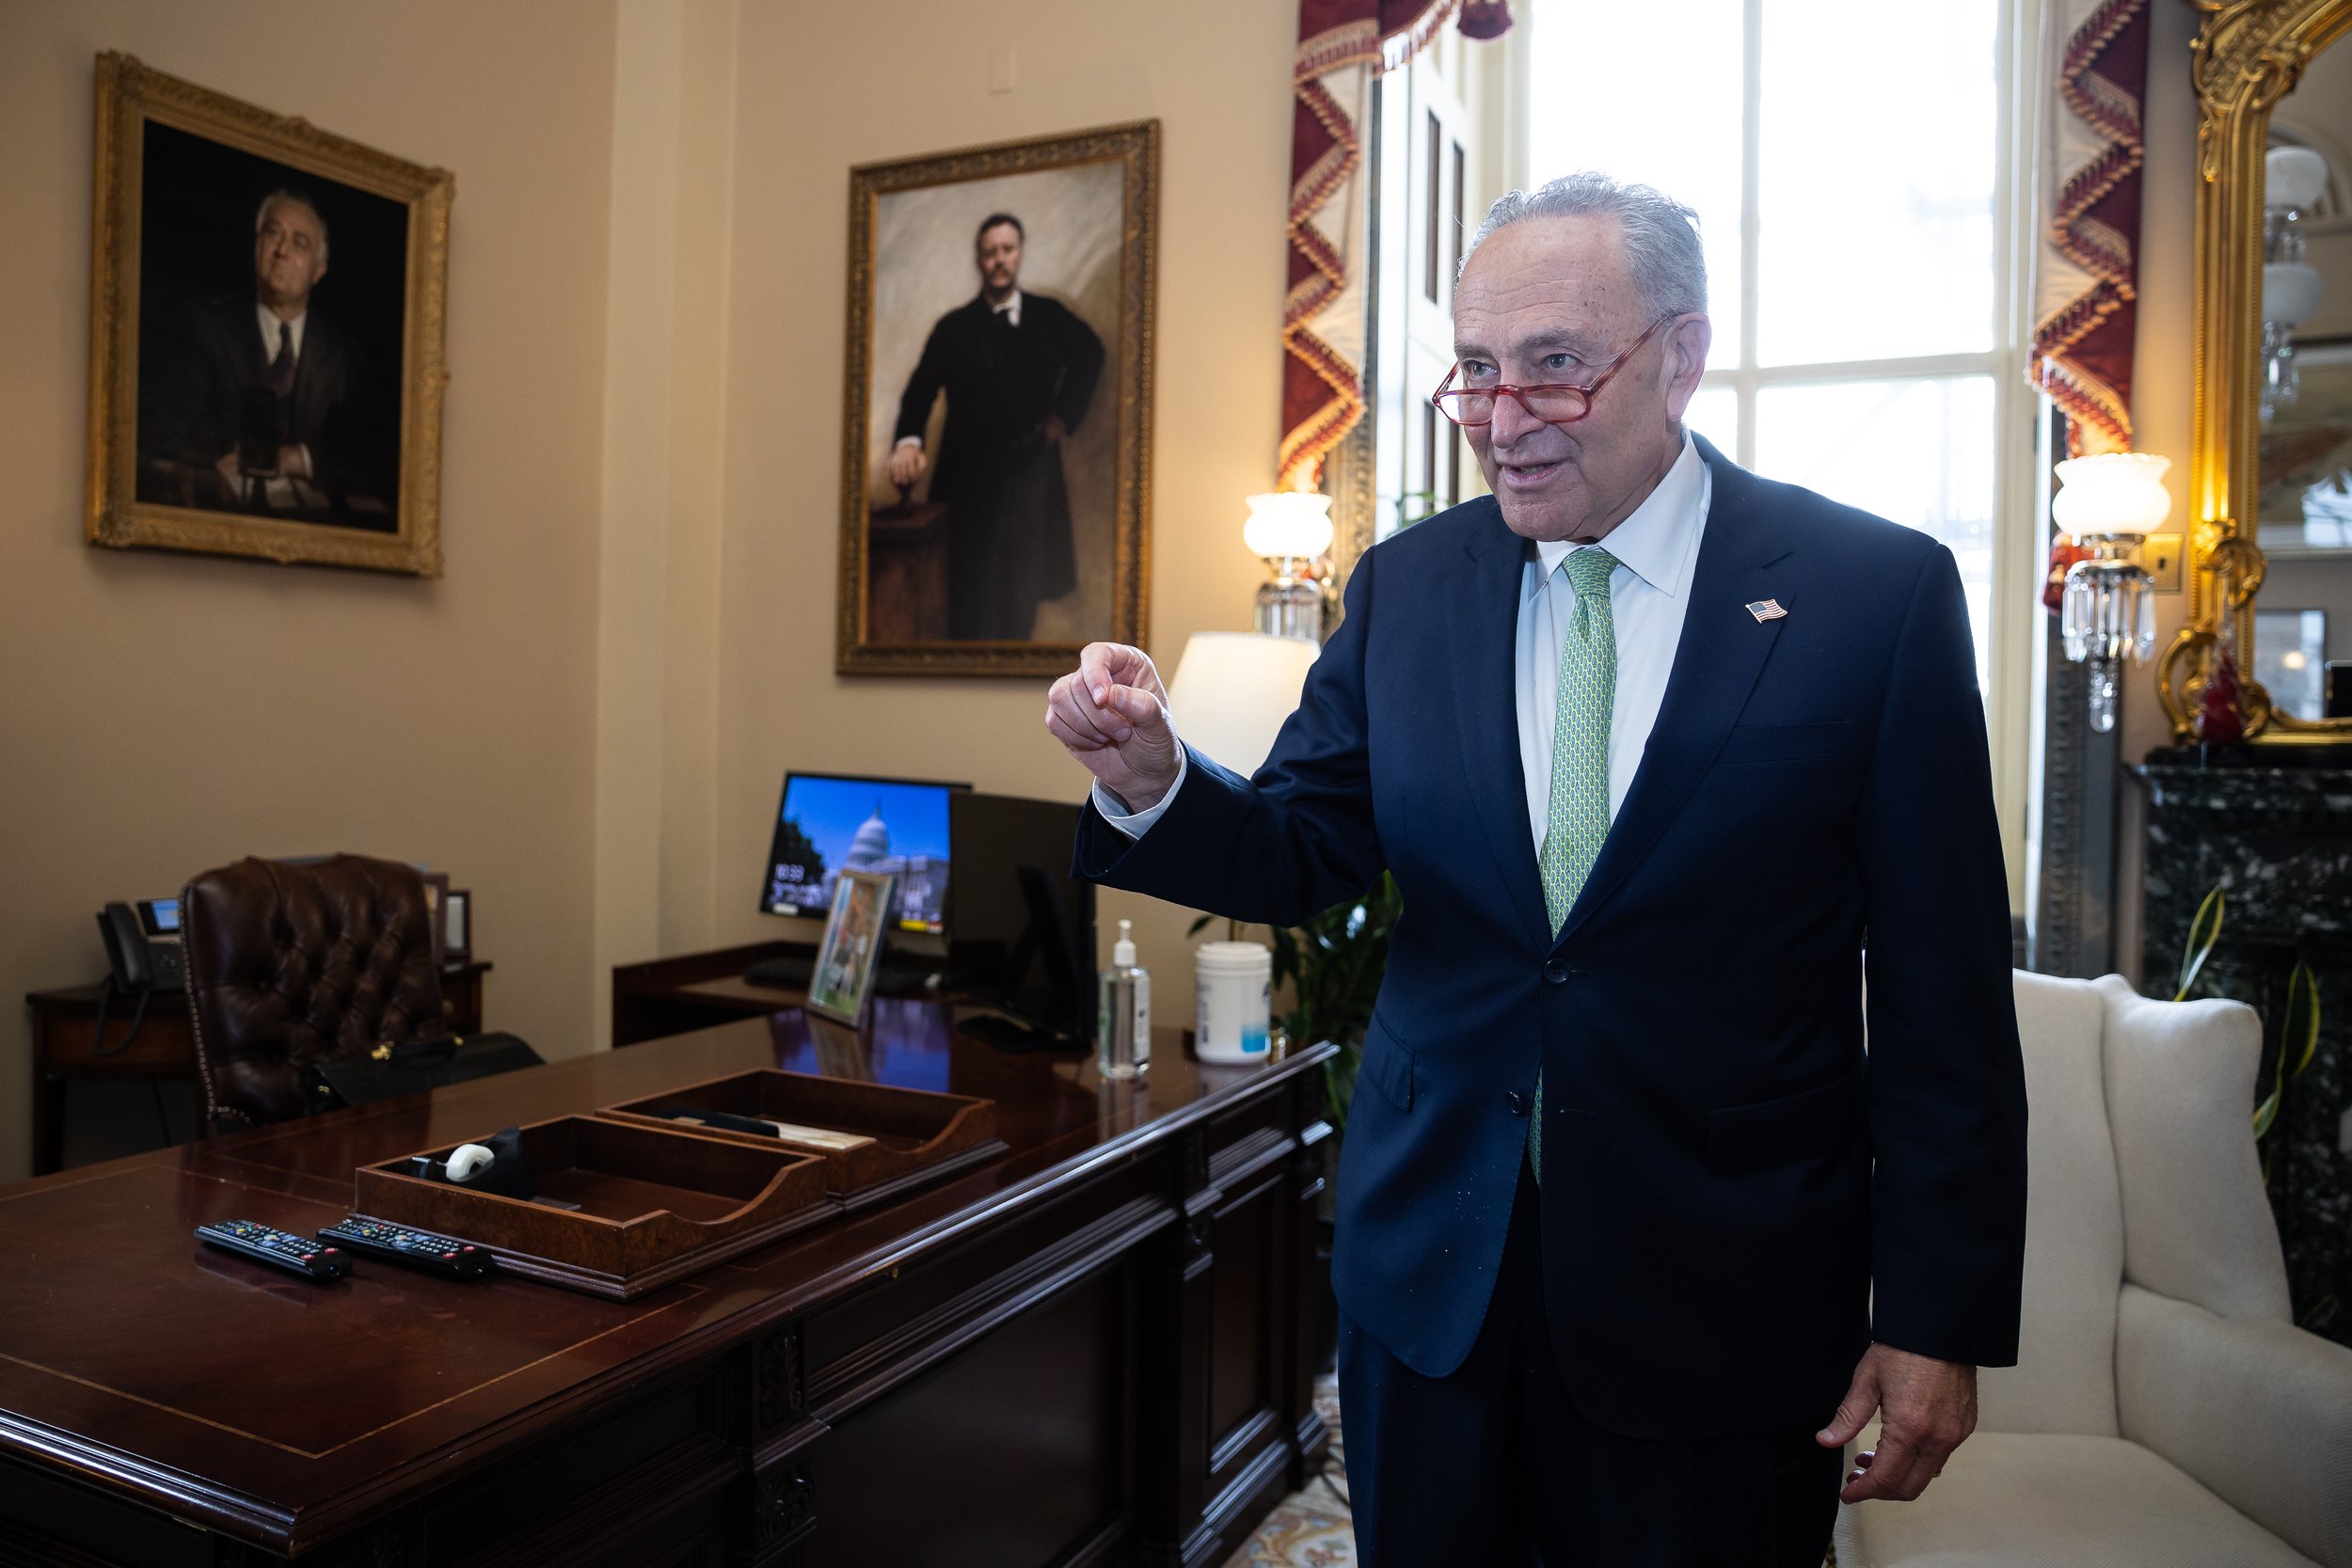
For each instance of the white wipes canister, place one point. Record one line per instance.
(1236, 991)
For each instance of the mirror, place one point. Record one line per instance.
(2270, 479)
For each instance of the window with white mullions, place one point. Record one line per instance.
(1864, 218)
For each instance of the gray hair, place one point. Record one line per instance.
(284, 193)
(1661, 235)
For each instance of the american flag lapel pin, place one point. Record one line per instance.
(1767, 610)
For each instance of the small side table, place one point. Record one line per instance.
(66, 1045)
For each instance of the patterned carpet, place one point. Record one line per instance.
(1311, 1528)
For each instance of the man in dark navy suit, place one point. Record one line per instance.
(1668, 759)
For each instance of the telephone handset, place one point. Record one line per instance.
(143, 949)
(143, 956)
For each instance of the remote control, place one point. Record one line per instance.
(279, 1249)
(421, 1249)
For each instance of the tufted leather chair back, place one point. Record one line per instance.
(291, 963)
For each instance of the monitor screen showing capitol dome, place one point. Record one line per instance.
(827, 825)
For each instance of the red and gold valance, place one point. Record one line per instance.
(1343, 46)
(2085, 272)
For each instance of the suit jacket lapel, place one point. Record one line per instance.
(1721, 654)
(1486, 614)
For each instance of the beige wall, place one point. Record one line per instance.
(2163, 377)
(161, 714)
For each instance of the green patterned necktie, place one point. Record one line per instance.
(1578, 818)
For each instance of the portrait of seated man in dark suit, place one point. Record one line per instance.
(1018, 371)
(257, 402)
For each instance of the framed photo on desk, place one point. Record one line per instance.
(846, 960)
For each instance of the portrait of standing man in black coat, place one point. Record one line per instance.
(1018, 371)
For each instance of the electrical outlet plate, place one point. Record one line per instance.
(2161, 554)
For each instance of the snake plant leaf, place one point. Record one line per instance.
(2300, 1038)
(2203, 932)
(2268, 1111)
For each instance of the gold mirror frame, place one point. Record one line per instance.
(2246, 55)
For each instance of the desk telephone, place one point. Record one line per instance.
(143, 946)
(143, 956)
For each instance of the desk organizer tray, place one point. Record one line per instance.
(654, 1205)
(876, 1140)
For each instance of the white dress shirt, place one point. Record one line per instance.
(268, 318)
(1657, 549)
(1009, 306)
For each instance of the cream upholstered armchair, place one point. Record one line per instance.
(2163, 1410)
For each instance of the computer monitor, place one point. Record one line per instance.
(1020, 927)
(829, 822)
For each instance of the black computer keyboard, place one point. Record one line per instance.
(788, 971)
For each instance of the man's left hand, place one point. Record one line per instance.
(1055, 431)
(1927, 1408)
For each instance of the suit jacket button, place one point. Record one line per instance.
(1516, 1100)
(1556, 972)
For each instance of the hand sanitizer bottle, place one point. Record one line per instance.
(1123, 1028)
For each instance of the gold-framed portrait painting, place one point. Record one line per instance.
(996, 463)
(266, 311)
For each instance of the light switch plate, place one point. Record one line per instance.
(2161, 554)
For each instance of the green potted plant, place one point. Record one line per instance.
(2297, 1042)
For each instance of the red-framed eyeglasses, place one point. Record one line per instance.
(1559, 404)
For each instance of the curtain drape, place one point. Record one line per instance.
(1343, 46)
(2086, 265)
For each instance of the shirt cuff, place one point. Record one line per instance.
(908, 442)
(1137, 824)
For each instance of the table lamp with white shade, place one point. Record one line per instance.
(2109, 504)
(1232, 691)
(1288, 529)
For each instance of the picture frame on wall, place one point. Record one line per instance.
(995, 447)
(266, 334)
(850, 952)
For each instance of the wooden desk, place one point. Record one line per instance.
(1091, 1351)
(670, 996)
(66, 1045)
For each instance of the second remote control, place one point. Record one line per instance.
(279, 1249)
(421, 1249)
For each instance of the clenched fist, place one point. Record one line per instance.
(1112, 715)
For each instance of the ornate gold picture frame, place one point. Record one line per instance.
(266, 316)
(2248, 56)
(996, 466)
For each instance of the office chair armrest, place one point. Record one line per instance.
(2256, 1409)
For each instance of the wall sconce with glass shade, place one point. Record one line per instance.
(2293, 180)
(1289, 528)
(2107, 616)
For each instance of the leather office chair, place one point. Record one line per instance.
(288, 964)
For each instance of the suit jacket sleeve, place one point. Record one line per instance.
(1286, 844)
(188, 404)
(1082, 355)
(1947, 1087)
(356, 449)
(930, 374)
